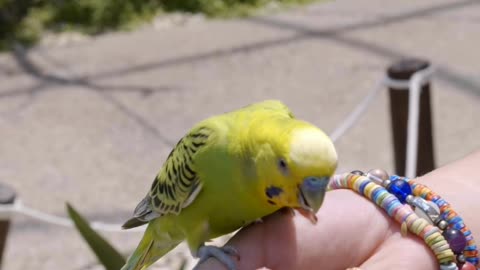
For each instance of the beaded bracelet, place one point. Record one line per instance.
(461, 238)
(432, 215)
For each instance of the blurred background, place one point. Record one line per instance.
(94, 93)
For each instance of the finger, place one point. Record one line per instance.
(348, 231)
(273, 237)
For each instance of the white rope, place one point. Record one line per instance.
(355, 115)
(414, 85)
(416, 82)
(20, 208)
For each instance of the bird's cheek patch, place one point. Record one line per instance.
(273, 191)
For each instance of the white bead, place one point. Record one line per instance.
(386, 183)
(409, 199)
(377, 176)
(442, 224)
(450, 266)
(427, 210)
(375, 179)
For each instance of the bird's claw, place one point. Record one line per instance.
(222, 254)
(231, 251)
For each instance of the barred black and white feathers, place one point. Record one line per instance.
(177, 184)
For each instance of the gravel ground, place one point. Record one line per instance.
(91, 121)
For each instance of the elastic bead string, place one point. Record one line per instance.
(402, 213)
(454, 221)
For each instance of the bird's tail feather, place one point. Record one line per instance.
(150, 249)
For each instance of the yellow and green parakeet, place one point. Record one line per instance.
(227, 172)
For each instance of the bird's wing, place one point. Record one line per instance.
(177, 184)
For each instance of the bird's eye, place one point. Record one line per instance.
(282, 166)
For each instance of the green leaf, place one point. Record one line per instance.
(106, 253)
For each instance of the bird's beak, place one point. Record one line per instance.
(310, 197)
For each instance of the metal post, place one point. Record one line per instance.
(403, 70)
(7, 197)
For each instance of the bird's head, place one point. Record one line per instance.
(295, 167)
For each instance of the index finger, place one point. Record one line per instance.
(349, 229)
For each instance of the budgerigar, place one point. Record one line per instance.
(227, 172)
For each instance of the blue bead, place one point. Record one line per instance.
(401, 189)
(388, 200)
(471, 248)
(459, 225)
(473, 261)
(392, 205)
(394, 177)
(362, 186)
(456, 220)
(441, 202)
(375, 194)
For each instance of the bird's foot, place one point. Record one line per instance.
(223, 254)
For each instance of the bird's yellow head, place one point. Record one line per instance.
(294, 165)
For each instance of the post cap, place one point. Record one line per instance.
(7, 194)
(405, 68)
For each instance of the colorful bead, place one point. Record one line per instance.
(468, 266)
(449, 217)
(386, 183)
(458, 226)
(377, 175)
(425, 209)
(450, 266)
(433, 209)
(402, 213)
(394, 177)
(473, 260)
(442, 224)
(401, 189)
(456, 239)
(461, 258)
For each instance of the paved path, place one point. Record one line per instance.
(90, 123)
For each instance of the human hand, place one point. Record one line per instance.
(351, 232)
